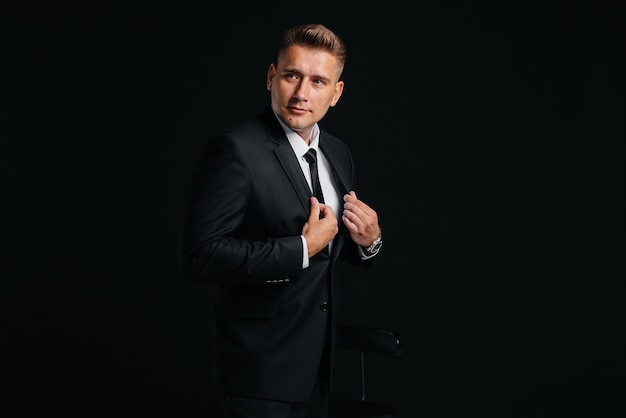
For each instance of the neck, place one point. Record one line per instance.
(305, 135)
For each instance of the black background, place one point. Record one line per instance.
(489, 136)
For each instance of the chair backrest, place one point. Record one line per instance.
(361, 339)
(368, 340)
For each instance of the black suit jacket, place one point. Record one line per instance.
(248, 204)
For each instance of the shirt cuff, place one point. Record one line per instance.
(305, 253)
(367, 256)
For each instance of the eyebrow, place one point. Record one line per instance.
(316, 76)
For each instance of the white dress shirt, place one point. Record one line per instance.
(331, 198)
(328, 188)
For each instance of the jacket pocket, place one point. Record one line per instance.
(250, 302)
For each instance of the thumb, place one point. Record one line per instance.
(315, 208)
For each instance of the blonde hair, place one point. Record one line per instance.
(314, 35)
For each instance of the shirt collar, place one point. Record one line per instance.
(297, 143)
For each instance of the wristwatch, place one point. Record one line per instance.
(374, 246)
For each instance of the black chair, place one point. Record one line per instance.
(364, 340)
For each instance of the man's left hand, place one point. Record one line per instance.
(360, 219)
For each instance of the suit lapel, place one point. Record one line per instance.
(290, 164)
(341, 176)
(286, 157)
(338, 171)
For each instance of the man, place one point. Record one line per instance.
(254, 228)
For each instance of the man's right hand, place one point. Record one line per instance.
(320, 228)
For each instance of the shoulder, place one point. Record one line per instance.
(329, 138)
(240, 130)
(247, 139)
(333, 145)
(252, 130)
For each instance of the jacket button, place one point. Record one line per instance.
(324, 306)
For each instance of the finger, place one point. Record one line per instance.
(354, 219)
(361, 209)
(325, 210)
(315, 208)
(350, 196)
(351, 199)
(363, 212)
(349, 224)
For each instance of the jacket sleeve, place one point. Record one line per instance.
(211, 248)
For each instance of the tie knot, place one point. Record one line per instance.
(311, 156)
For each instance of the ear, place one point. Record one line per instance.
(337, 94)
(271, 71)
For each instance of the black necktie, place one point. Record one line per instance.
(311, 158)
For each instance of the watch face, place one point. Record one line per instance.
(375, 246)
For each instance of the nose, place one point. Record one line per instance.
(302, 91)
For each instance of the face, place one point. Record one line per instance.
(304, 84)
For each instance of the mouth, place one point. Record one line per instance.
(296, 110)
